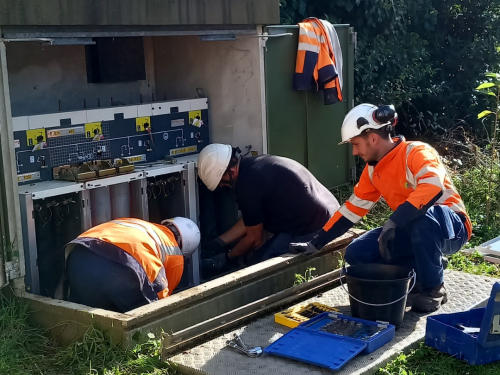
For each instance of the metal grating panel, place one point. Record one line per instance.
(76, 148)
(465, 291)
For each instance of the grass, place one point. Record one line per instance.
(427, 361)
(25, 350)
(308, 276)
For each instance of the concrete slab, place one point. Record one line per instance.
(67, 321)
(465, 291)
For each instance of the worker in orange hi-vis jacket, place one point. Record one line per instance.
(126, 263)
(429, 220)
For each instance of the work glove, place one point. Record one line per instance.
(215, 263)
(214, 247)
(302, 248)
(219, 262)
(387, 235)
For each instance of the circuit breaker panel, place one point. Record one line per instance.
(85, 145)
(80, 169)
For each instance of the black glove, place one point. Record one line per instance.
(387, 235)
(214, 247)
(302, 248)
(220, 262)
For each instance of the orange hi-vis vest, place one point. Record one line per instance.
(149, 249)
(316, 61)
(411, 172)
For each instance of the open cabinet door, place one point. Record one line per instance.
(299, 125)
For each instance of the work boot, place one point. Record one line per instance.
(417, 289)
(430, 300)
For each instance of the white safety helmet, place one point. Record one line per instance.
(188, 232)
(212, 163)
(367, 116)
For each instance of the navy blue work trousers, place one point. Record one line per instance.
(419, 245)
(99, 282)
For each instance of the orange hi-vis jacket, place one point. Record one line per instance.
(149, 249)
(316, 61)
(411, 173)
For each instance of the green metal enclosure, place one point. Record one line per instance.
(299, 125)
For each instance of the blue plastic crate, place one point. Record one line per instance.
(308, 343)
(443, 334)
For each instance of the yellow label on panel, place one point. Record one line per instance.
(195, 118)
(28, 177)
(183, 150)
(32, 136)
(140, 122)
(64, 132)
(92, 129)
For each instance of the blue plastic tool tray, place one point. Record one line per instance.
(443, 332)
(310, 343)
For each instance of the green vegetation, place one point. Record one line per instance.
(427, 361)
(25, 350)
(425, 56)
(299, 279)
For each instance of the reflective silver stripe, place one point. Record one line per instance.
(361, 203)
(370, 173)
(411, 145)
(446, 194)
(165, 248)
(409, 175)
(436, 181)
(457, 207)
(425, 170)
(312, 34)
(308, 47)
(159, 252)
(349, 215)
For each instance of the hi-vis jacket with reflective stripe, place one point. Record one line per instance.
(409, 177)
(316, 60)
(149, 249)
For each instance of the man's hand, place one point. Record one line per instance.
(387, 235)
(302, 247)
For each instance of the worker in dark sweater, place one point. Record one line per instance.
(274, 194)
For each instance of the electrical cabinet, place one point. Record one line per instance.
(138, 157)
(132, 161)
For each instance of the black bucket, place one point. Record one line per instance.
(378, 291)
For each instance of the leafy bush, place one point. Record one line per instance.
(425, 56)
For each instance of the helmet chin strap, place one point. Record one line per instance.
(175, 232)
(232, 180)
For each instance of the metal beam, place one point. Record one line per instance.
(13, 33)
(191, 212)
(139, 12)
(12, 239)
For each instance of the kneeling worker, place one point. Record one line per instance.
(127, 263)
(273, 193)
(429, 219)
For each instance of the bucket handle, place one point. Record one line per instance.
(413, 274)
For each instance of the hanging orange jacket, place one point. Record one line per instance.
(411, 174)
(316, 61)
(149, 249)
